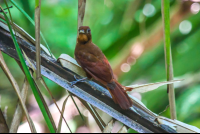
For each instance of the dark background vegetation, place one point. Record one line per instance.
(130, 34)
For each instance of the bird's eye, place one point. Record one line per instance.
(88, 30)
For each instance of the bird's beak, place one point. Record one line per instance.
(81, 31)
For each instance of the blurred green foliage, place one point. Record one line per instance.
(115, 24)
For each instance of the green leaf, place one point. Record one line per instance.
(29, 78)
(32, 21)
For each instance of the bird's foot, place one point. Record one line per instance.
(77, 80)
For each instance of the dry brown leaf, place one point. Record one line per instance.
(16, 87)
(19, 111)
(149, 87)
(109, 127)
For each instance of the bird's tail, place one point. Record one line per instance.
(119, 95)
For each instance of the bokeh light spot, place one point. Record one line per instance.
(131, 60)
(137, 49)
(195, 7)
(149, 10)
(125, 67)
(195, 0)
(24, 128)
(185, 27)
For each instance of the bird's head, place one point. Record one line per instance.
(84, 34)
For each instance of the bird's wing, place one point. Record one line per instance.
(98, 68)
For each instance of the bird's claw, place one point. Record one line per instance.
(77, 80)
(72, 83)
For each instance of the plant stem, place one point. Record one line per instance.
(168, 56)
(32, 22)
(81, 12)
(29, 78)
(37, 37)
(19, 111)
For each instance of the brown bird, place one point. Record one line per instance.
(96, 66)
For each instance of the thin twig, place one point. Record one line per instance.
(8, 10)
(81, 11)
(42, 98)
(168, 56)
(63, 110)
(46, 87)
(5, 8)
(94, 114)
(44, 84)
(45, 104)
(37, 39)
(164, 110)
(76, 106)
(31, 82)
(16, 87)
(19, 111)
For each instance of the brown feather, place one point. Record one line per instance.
(119, 95)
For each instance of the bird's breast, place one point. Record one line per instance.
(82, 38)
